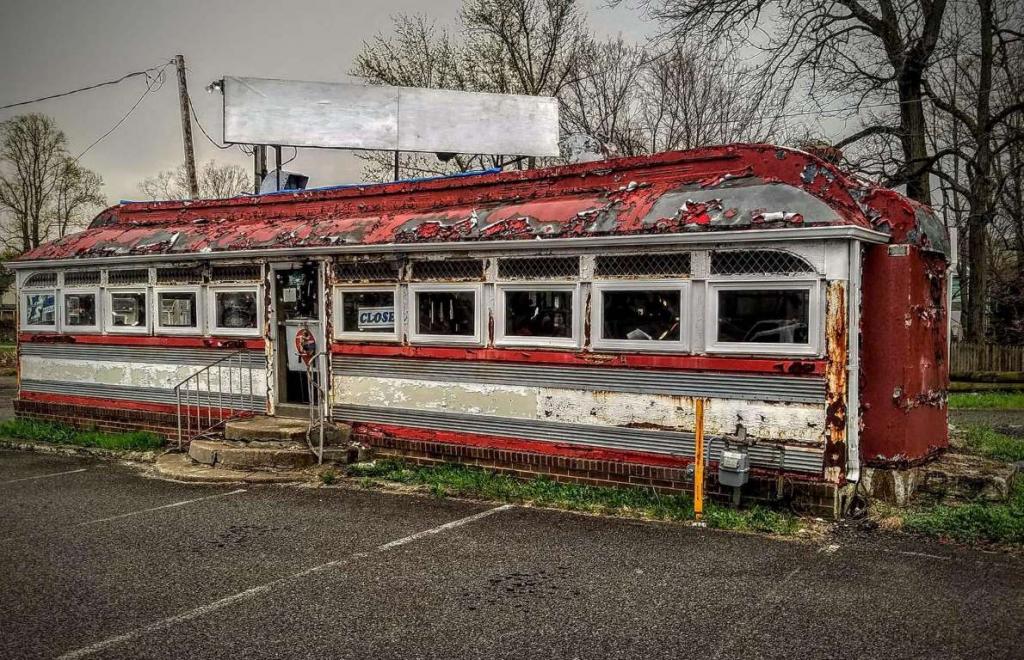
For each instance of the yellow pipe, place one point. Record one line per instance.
(698, 456)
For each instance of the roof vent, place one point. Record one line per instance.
(289, 181)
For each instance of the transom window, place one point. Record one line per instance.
(366, 271)
(448, 269)
(128, 276)
(41, 279)
(758, 262)
(658, 264)
(539, 268)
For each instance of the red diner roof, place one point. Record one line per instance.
(732, 187)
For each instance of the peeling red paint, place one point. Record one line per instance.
(232, 343)
(903, 323)
(589, 199)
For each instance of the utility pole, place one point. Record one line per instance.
(186, 128)
(259, 160)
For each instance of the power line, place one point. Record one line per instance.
(202, 130)
(154, 83)
(133, 74)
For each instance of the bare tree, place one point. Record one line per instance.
(43, 191)
(863, 53)
(503, 46)
(976, 89)
(644, 100)
(216, 181)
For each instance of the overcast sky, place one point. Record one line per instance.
(49, 46)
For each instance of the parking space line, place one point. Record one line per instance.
(157, 508)
(263, 588)
(43, 476)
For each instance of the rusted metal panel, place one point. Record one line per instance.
(904, 363)
(836, 346)
(711, 189)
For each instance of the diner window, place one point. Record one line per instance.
(537, 315)
(39, 310)
(126, 311)
(81, 310)
(763, 317)
(641, 315)
(366, 313)
(235, 311)
(448, 314)
(177, 311)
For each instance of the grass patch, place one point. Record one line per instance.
(986, 400)
(990, 443)
(451, 480)
(1001, 523)
(35, 431)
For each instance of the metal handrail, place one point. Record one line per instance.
(317, 404)
(191, 393)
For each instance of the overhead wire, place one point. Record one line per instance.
(154, 83)
(145, 72)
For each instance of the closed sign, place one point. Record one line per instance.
(376, 317)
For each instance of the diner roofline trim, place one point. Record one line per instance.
(850, 232)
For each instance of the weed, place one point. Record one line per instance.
(974, 522)
(986, 400)
(328, 477)
(35, 431)
(990, 443)
(449, 480)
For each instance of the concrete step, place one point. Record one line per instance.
(281, 429)
(265, 454)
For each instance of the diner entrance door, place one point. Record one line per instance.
(297, 322)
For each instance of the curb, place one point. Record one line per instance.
(149, 456)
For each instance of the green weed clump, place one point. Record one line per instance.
(450, 480)
(1000, 523)
(36, 431)
(990, 443)
(986, 400)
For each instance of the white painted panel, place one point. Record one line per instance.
(770, 421)
(128, 374)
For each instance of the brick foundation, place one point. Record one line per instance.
(815, 498)
(103, 419)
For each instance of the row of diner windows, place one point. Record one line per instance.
(654, 315)
(234, 310)
(536, 301)
(635, 315)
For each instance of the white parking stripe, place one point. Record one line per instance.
(43, 476)
(263, 588)
(157, 508)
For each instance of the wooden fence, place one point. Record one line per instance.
(968, 358)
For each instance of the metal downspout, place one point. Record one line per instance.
(853, 367)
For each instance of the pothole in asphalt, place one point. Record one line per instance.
(518, 589)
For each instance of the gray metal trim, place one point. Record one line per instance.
(676, 443)
(140, 394)
(640, 381)
(141, 354)
(645, 240)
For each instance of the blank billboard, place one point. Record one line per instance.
(348, 116)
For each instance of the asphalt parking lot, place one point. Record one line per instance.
(102, 561)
